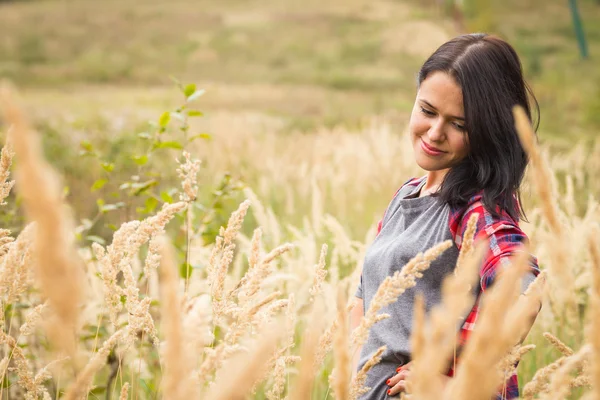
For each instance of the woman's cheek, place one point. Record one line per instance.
(417, 126)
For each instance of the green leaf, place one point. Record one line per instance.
(185, 270)
(196, 94)
(108, 167)
(151, 204)
(166, 197)
(195, 113)
(189, 90)
(144, 135)
(86, 145)
(141, 187)
(205, 136)
(96, 239)
(99, 184)
(140, 160)
(168, 145)
(98, 390)
(164, 119)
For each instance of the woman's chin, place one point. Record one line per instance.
(428, 164)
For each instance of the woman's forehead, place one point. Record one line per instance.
(441, 91)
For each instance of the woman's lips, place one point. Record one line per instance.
(432, 151)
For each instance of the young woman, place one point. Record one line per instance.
(463, 135)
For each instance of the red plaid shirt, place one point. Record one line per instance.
(505, 237)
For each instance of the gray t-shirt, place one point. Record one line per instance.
(410, 225)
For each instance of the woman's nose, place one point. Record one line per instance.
(436, 131)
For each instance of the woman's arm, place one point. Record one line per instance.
(356, 315)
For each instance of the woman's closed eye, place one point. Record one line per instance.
(427, 112)
(459, 127)
(430, 113)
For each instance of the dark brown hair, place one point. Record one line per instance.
(489, 72)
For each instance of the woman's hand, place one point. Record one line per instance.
(398, 382)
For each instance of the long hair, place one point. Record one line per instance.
(489, 72)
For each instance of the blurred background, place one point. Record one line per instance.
(92, 73)
(303, 63)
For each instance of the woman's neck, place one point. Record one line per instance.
(434, 180)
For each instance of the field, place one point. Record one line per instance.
(303, 113)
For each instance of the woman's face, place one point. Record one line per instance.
(437, 123)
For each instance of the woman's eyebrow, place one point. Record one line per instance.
(431, 106)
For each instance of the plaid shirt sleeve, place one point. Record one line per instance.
(505, 237)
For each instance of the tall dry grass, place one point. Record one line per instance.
(266, 319)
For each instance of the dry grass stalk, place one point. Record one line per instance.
(433, 347)
(342, 373)
(32, 319)
(468, 239)
(3, 367)
(243, 318)
(560, 384)
(152, 260)
(325, 344)
(245, 369)
(79, 389)
(561, 277)
(176, 374)
(319, 274)
(187, 172)
(303, 385)
(281, 359)
(508, 365)
(44, 374)
(558, 344)
(119, 257)
(124, 391)
(58, 268)
(392, 287)
(357, 387)
(543, 174)
(594, 310)
(250, 283)
(581, 381)
(6, 157)
(255, 248)
(220, 259)
(539, 382)
(109, 260)
(26, 378)
(197, 324)
(500, 326)
(253, 262)
(15, 265)
(5, 242)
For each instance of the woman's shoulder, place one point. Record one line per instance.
(488, 222)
